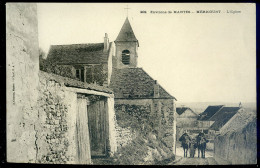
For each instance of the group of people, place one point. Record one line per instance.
(191, 144)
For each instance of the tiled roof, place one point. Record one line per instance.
(209, 112)
(223, 116)
(181, 110)
(239, 120)
(91, 53)
(134, 83)
(74, 83)
(126, 33)
(224, 110)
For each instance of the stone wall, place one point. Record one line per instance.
(57, 122)
(124, 136)
(93, 73)
(146, 116)
(145, 131)
(22, 67)
(238, 147)
(130, 119)
(164, 113)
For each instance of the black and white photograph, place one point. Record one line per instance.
(131, 83)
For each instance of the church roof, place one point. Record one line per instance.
(181, 110)
(209, 112)
(223, 116)
(126, 33)
(134, 83)
(90, 53)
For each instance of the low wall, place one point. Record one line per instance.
(238, 147)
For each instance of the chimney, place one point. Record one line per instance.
(156, 90)
(106, 42)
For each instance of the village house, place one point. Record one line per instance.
(237, 139)
(214, 118)
(136, 93)
(221, 118)
(186, 119)
(203, 118)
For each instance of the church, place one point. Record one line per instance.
(115, 65)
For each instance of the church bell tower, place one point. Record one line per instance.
(126, 47)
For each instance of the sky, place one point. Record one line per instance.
(196, 57)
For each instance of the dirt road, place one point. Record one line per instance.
(197, 161)
(180, 160)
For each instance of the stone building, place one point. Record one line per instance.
(214, 118)
(237, 141)
(221, 118)
(186, 119)
(204, 121)
(135, 91)
(50, 118)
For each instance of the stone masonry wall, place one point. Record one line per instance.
(57, 121)
(146, 116)
(124, 136)
(238, 147)
(129, 119)
(145, 128)
(164, 112)
(22, 67)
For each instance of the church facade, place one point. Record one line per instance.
(135, 92)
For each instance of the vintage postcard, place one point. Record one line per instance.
(131, 83)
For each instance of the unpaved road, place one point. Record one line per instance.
(196, 161)
(180, 160)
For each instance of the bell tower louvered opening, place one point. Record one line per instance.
(126, 57)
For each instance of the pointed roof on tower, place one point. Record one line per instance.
(126, 33)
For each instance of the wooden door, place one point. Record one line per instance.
(97, 127)
(83, 144)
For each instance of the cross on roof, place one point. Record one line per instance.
(127, 10)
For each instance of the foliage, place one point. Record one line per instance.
(99, 75)
(52, 67)
(136, 117)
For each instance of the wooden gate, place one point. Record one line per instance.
(83, 151)
(97, 116)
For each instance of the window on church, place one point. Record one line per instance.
(89, 75)
(80, 74)
(77, 73)
(126, 57)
